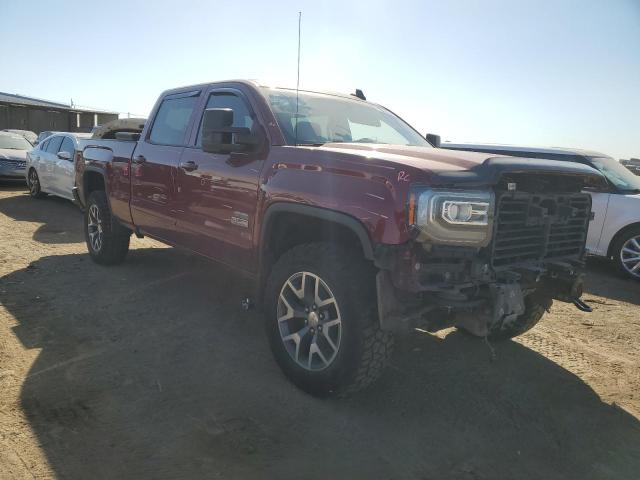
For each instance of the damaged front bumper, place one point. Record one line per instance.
(455, 287)
(535, 255)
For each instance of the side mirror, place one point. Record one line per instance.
(218, 135)
(433, 139)
(64, 155)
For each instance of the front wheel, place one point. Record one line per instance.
(107, 240)
(626, 253)
(33, 182)
(321, 320)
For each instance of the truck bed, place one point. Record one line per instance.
(111, 158)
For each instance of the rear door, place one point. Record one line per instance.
(63, 170)
(154, 165)
(218, 193)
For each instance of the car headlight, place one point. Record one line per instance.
(453, 217)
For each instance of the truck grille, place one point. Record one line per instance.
(531, 227)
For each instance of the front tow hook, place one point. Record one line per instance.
(580, 305)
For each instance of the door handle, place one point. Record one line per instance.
(189, 166)
(139, 159)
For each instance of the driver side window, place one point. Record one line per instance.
(242, 116)
(54, 144)
(67, 146)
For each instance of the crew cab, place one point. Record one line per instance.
(614, 231)
(350, 226)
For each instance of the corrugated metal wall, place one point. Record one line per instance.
(41, 119)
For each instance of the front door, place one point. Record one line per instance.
(154, 166)
(218, 193)
(47, 163)
(63, 170)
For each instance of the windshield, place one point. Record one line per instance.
(14, 142)
(617, 174)
(326, 118)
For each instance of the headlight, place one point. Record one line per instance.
(460, 217)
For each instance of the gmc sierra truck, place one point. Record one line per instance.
(348, 223)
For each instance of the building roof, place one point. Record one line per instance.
(38, 102)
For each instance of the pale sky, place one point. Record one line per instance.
(529, 72)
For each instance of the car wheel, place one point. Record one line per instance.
(626, 253)
(33, 182)
(107, 240)
(321, 320)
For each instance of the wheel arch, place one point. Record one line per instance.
(619, 234)
(329, 224)
(93, 179)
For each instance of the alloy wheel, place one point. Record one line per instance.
(630, 256)
(94, 226)
(309, 321)
(34, 183)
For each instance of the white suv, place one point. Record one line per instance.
(614, 231)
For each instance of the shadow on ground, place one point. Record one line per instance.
(13, 185)
(61, 219)
(604, 280)
(150, 370)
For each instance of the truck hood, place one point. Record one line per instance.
(451, 167)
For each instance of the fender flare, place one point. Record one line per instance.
(340, 218)
(83, 188)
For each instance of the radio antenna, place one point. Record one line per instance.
(295, 132)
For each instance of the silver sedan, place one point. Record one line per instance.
(13, 155)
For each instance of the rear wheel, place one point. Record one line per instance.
(321, 320)
(33, 182)
(626, 253)
(107, 240)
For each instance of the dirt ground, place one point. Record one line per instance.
(151, 370)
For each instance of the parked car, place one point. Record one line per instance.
(614, 231)
(13, 154)
(633, 164)
(30, 136)
(50, 166)
(348, 223)
(43, 135)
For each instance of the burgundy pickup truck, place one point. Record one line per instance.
(349, 224)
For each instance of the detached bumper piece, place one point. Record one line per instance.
(479, 307)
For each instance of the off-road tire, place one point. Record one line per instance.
(364, 349)
(616, 249)
(33, 182)
(535, 308)
(115, 238)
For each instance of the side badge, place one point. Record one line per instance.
(240, 219)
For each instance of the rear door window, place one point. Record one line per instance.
(172, 120)
(54, 144)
